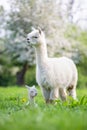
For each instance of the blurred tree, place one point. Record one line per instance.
(2, 13)
(47, 15)
(20, 54)
(22, 16)
(4, 71)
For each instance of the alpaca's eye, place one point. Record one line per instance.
(35, 37)
(31, 91)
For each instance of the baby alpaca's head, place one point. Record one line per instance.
(32, 91)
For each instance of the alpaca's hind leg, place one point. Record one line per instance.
(72, 91)
(46, 94)
(62, 93)
(72, 87)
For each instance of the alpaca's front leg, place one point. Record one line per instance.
(46, 94)
(54, 94)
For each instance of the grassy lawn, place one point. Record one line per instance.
(15, 115)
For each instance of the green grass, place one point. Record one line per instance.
(15, 115)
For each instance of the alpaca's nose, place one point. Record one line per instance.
(28, 40)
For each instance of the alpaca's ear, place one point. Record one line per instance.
(32, 28)
(27, 86)
(39, 29)
(33, 86)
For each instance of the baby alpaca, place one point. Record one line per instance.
(32, 92)
(55, 76)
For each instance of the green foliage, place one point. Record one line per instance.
(6, 79)
(79, 37)
(82, 71)
(30, 77)
(7, 76)
(82, 77)
(63, 115)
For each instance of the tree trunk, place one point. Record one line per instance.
(20, 75)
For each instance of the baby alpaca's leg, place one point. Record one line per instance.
(63, 94)
(46, 94)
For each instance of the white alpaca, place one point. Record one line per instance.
(55, 76)
(32, 92)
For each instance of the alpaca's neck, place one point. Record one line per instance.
(31, 100)
(41, 54)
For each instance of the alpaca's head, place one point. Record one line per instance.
(36, 37)
(32, 91)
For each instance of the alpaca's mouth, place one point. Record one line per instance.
(28, 41)
(35, 94)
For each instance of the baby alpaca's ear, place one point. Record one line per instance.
(27, 86)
